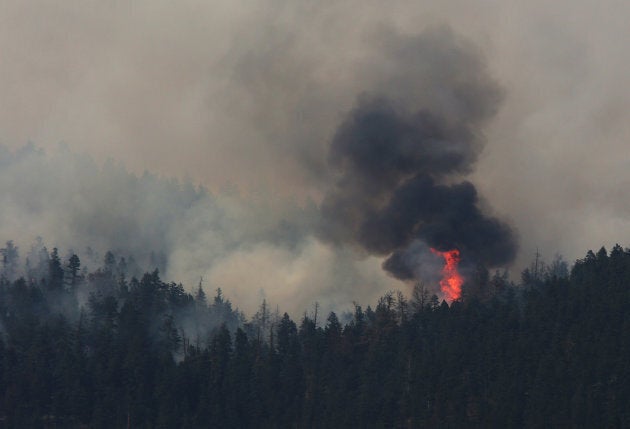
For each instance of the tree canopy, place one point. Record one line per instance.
(98, 349)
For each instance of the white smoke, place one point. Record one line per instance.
(254, 246)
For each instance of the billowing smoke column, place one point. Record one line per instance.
(399, 158)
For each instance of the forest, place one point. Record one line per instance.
(115, 347)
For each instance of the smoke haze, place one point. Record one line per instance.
(261, 97)
(254, 248)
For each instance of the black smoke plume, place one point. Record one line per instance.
(400, 157)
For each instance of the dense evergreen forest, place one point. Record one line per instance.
(110, 348)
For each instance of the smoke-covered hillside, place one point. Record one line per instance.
(255, 245)
(224, 162)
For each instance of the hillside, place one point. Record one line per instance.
(100, 350)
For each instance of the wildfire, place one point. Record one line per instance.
(451, 283)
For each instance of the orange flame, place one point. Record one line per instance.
(451, 283)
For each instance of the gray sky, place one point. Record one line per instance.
(250, 94)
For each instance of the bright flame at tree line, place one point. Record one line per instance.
(451, 283)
